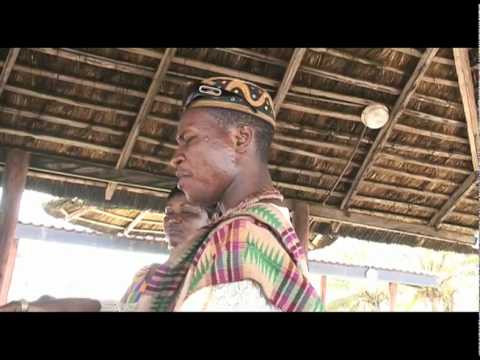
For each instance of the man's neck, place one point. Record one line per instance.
(246, 184)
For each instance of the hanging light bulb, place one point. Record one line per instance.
(375, 116)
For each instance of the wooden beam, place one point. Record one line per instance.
(456, 197)
(292, 68)
(99, 61)
(356, 118)
(465, 81)
(436, 119)
(116, 216)
(398, 108)
(145, 71)
(149, 231)
(134, 222)
(301, 215)
(77, 213)
(99, 85)
(96, 183)
(142, 115)
(170, 122)
(172, 101)
(351, 81)
(323, 290)
(333, 52)
(61, 121)
(431, 134)
(60, 141)
(311, 154)
(152, 141)
(394, 203)
(255, 56)
(99, 182)
(328, 214)
(338, 115)
(413, 220)
(88, 145)
(398, 188)
(366, 198)
(409, 175)
(425, 151)
(378, 65)
(79, 143)
(8, 67)
(353, 137)
(14, 179)
(94, 222)
(206, 66)
(274, 83)
(418, 54)
(321, 112)
(319, 143)
(68, 101)
(304, 188)
(408, 160)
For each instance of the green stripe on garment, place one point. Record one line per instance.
(269, 262)
(267, 215)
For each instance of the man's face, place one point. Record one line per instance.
(182, 219)
(205, 161)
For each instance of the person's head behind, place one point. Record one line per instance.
(182, 219)
(217, 142)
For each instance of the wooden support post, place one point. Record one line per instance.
(142, 116)
(323, 289)
(467, 92)
(301, 214)
(392, 288)
(14, 179)
(8, 67)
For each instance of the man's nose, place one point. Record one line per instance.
(174, 218)
(177, 159)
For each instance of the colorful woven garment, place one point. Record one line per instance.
(256, 243)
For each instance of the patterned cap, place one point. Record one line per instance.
(232, 94)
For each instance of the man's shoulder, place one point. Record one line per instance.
(265, 220)
(260, 215)
(142, 273)
(238, 225)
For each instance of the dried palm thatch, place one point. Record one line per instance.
(123, 221)
(112, 113)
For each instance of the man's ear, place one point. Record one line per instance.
(243, 138)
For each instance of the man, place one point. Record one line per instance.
(251, 258)
(182, 221)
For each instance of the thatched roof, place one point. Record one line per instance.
(79, 105)
(127, 222)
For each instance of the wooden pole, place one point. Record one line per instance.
(392, 287)
(142, 116)
(301, 214)
(14, 179)
(323, 287)
(467, 92)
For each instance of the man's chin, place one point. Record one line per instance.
(196, 195)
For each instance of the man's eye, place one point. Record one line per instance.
(189, 139)
(190, 212)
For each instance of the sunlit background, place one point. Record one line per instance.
(71, 270)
